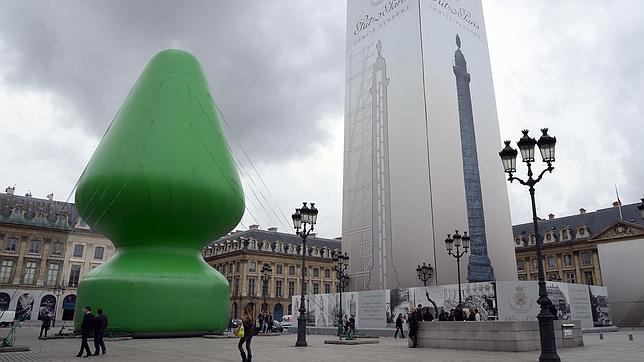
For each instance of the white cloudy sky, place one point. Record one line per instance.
(276, 69)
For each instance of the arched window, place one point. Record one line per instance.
(290, 309)
(278, 312)
(47, 306)
(518, 241)
(69, 303)
(5, 299)
(24, 307)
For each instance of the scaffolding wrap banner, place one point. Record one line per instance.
(506, 301)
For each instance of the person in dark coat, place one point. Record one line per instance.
(428, 316)
(46, 323)
(472, 316)
(459, 313)
(87, 327)
(413, 328)
(100, 325)
(399, 327)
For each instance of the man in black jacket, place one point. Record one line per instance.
(87, 327)
(100, 324)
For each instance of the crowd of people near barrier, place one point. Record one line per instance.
(424, 314)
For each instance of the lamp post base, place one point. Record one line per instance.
(301, 330)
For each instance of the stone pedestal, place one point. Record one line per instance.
(512, 336)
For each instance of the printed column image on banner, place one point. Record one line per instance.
(420, 146)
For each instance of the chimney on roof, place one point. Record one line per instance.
(50, 197)
(272, 229)
(9, 190)
(28, 194)
(551, 216)
(616, 204)
(582, 211)
(253, 227)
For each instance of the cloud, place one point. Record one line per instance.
(275, 68)
(575, 67)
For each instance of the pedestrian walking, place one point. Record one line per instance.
(46, 323)
(413, 328)
(87, 327)
(100, 325)
(248, 323)
(399, 327)
(477, 315)
(352, 325)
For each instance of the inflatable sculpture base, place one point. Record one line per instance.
(161, 185)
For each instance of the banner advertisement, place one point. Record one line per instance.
(505, 301)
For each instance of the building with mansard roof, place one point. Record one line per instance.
(241, 255)
(603, 247)
(44, 246)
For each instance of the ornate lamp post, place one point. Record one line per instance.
(340, 264)
(425, 272)
(59, 290)
(266, 275)
(508, 155)
(458, 241)
(301, 218)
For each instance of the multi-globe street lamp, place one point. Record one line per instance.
(266, 276)
(340, 264)
(425, 272)
(301, 218)
(457, 241)
(526, 144)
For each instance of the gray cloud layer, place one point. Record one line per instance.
(275, 68)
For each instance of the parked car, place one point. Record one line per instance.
(7, 318)
(287, 321)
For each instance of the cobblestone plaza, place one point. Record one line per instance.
(614, 347)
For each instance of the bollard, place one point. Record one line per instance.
(601, 336)
(630, 337)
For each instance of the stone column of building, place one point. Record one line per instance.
(579, 277)
(597, 273)
(479, 266)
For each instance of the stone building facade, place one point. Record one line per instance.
(570, 243)
(241, 255)
(44, 246)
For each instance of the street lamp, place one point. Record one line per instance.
(59, 290)
(340, 264)
(301, 218)
(508, 156)
(266, 275)
(457, 241)
(425, 272)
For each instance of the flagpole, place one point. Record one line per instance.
(619, 204)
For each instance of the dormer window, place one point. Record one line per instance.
(252, 244)
(533, 239)
(291, 249)
(565, 234)
(266, 246)
(582, 232)
(549, 238)
(518, 242)
(279, 247)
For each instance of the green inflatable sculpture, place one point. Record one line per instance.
(161, 185)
